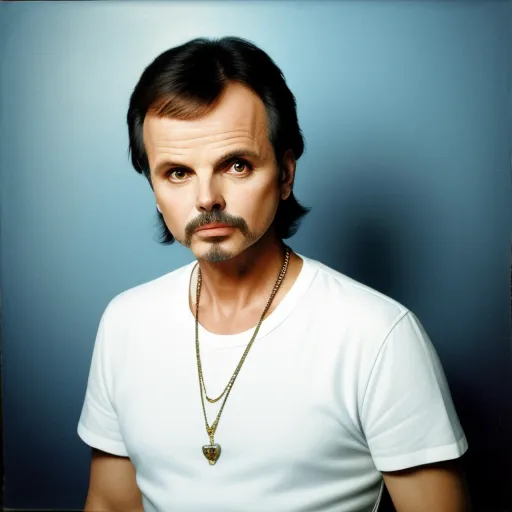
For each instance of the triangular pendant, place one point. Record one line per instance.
(211, 452)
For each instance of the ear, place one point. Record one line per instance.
(287, 174)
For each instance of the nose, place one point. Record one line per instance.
(209, 195)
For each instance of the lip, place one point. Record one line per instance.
(213, 226)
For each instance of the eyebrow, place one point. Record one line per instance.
(220, 162)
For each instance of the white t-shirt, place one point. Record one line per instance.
(341, 383)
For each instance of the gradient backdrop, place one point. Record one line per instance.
(406, 108)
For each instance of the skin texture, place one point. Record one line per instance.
(441, 486)
(191, 188)
(112, 485)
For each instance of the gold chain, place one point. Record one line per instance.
(213, 451)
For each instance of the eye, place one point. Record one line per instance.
(177, 174)
(240, 166)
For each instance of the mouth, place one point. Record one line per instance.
(213, 226)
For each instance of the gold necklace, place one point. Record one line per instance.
(212, 451)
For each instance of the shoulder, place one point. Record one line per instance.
(359, 311)
(357, 319)
(146, 298)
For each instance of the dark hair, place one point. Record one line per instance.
(186, 81)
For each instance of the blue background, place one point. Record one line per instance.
(406, 108)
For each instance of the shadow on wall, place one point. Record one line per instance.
(378, 249)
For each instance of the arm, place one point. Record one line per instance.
(439, 486)
(112, 485)
(112, 482)
(409, 420)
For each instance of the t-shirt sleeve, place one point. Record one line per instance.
(98, 425)
(407, 414)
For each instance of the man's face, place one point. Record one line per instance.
(195, 185)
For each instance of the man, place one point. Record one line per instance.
(254, 378)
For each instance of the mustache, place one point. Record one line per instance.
(216, 216)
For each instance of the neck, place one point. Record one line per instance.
(244, 281)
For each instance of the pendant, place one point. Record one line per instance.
(211, 452)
